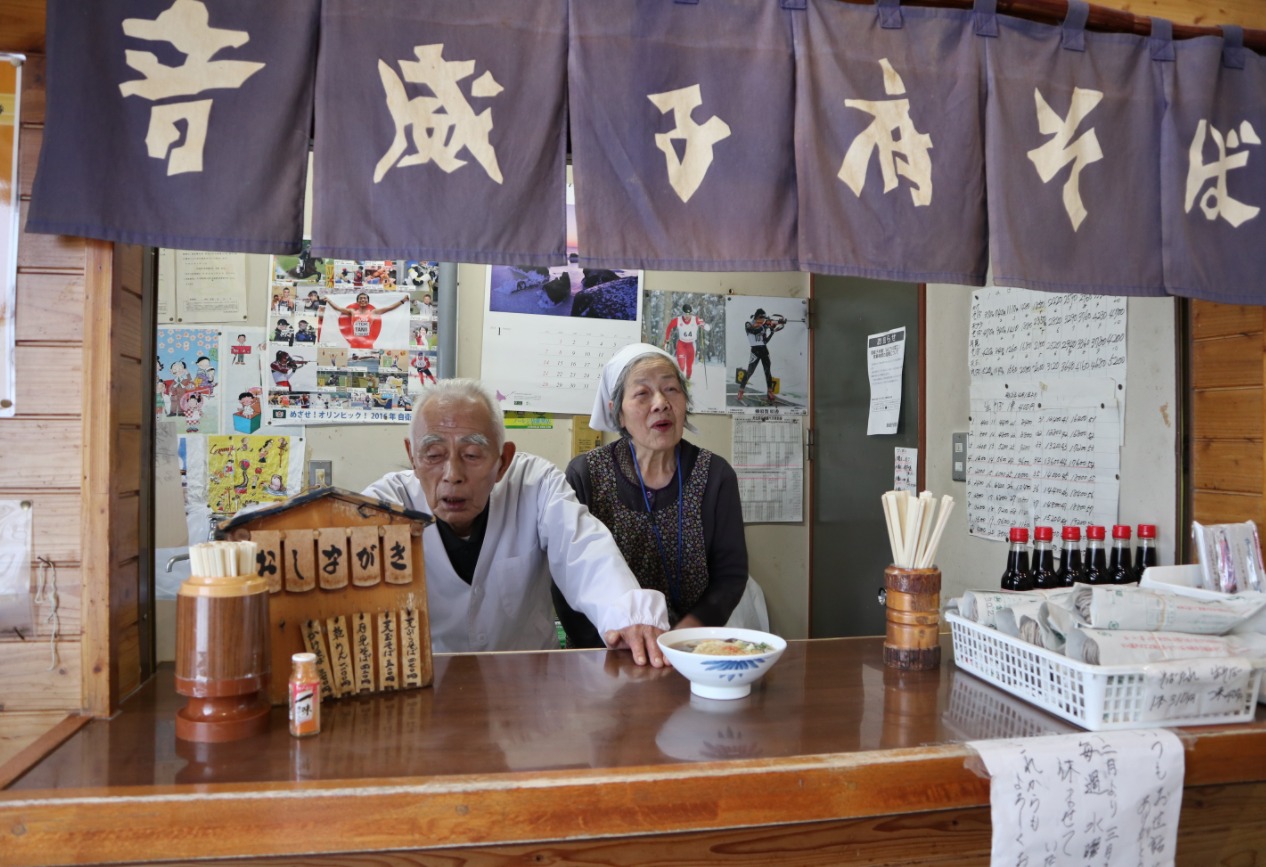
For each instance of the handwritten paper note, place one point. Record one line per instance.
(1022, 334)
(1042, 453)
(905, 469)
(1047, 399)
(1094, 799)
(769, 462)
(1194, 688)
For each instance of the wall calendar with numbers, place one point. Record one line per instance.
(549, 331)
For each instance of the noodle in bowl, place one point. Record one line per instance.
(721, 662)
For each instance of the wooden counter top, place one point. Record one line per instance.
(507, 751)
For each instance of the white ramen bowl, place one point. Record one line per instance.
(720, 676)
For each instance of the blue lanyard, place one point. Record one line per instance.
(673, 577)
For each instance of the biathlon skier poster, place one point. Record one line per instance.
(767, 354)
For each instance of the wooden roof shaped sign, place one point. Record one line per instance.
(346, 581)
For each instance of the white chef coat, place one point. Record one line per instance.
(535, 526)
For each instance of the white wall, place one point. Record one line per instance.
(1149, 456)
(778, 553)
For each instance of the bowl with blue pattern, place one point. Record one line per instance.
(719, 661)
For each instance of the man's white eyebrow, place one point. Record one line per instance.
(474, 439)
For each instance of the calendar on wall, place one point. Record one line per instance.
(549, 331)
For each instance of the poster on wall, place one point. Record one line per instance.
(208, 287)
(348, 341)
(549, 331)
(691, 327)
(767, 355)
(10, 90)
(225, 473)
(187, 393)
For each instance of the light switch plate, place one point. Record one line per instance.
(958, 458)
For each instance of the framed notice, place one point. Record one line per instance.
(10, 92)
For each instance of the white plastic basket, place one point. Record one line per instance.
(1096, 697)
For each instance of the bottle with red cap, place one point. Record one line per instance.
(1071, 569)
(1096, 556)
(1120, 562)
(1146, 550)
(1017, 575)
(1043, 571)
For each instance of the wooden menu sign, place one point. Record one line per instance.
(346, 581)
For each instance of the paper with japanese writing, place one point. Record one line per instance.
(1091, 799)
(1188, 688)
(769, 461)
(905, 469)
(885, 358)
(1047, 401)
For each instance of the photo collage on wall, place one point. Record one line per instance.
(349, 341)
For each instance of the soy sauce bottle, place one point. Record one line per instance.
(1017, 575)
(1043, 572)
(1120, 568)
(1096, 556)
(1146, 550)
(1071, 569)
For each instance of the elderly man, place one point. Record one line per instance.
(504, 523)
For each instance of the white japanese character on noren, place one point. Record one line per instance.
(687, 172)
(186, 25)
(442, 124)
(903, 150)
(1062, 150)
(1216, 202)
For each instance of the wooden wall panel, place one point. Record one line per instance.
(1228, 465)
(50, 306)
(55, 522)
(1227, 362)
(33, 91)
(1222, 320)
(40, 452)
(29, 141)
(52, 380)
(30, 683)
(48, 252)
(1210, 507)
(1234, 413)
(69, 622)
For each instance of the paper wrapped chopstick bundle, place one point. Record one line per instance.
(1230, 556)
(1130, 647)
(1138, 608)
(983, 606)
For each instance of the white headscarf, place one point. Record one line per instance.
(605, 416)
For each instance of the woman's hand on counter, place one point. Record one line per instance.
(639, 638)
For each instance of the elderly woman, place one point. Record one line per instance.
(673, 507)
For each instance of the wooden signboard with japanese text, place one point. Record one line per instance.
(347, 582)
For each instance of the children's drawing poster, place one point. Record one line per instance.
(767, 354)
(187, 392)
(348, 341)
(691, 326)
(243, 470)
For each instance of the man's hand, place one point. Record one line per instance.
(640, 639)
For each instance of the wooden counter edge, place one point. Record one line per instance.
(379, 815)
(30, 755)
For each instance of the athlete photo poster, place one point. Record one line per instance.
(691, 327)
(767, 354)
(341, 340)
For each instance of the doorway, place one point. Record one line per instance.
(848, 547)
